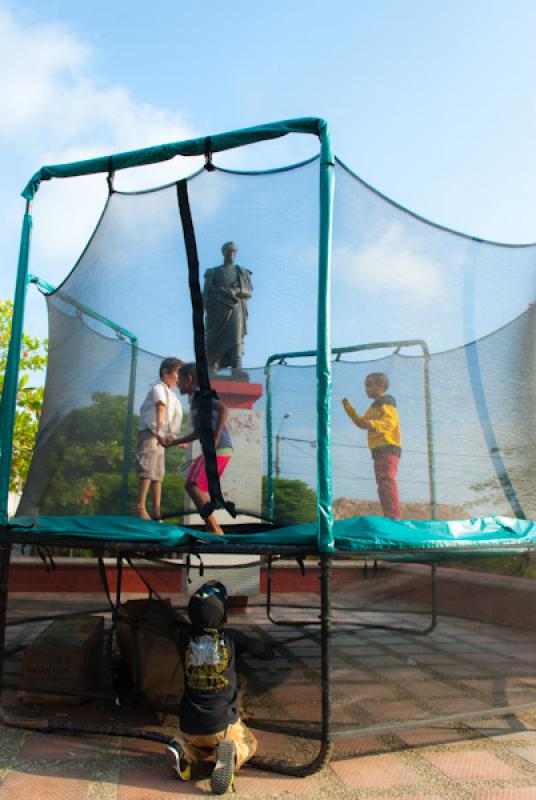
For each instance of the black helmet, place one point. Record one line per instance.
(208, 605)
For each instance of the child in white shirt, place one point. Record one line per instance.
(160, 416)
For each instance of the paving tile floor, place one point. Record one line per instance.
(378, 677)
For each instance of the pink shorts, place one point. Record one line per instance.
(197, 473)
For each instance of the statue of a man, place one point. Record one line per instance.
(225, 295)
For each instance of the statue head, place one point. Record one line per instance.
(229, 251)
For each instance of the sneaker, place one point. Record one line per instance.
(177, 761)
(223, 773)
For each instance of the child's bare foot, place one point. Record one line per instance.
(213, 526)
(156, 515)
(141, 512)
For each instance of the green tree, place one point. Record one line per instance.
(294, 501)
(29, 397)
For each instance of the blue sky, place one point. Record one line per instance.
(432, 103)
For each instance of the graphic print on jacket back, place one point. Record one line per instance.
(206, 660)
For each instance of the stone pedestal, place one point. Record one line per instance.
(241, 483)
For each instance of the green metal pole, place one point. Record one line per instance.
(8, 405)
(127, 448)
(429, 434)
(270, 475)
(81, 307)
(323, 362)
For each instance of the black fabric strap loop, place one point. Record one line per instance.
(206, 433)
(209, 166)
(111, 176)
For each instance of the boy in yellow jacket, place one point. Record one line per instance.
(383, 425)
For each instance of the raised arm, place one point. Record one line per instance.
(356, 418)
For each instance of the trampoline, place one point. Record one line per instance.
(345, 282)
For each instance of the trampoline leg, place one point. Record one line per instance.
(5, 556)
(119, 579)
(269, 590)
(325, 630)
(326, 746)
(433, 622)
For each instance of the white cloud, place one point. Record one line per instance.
(54, 110)
(391, 263)
(35, 61)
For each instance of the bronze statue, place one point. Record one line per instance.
(225, 295)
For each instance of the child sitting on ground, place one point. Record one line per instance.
(196, 480)
(160, 415)
(383, 425)
(210, 728)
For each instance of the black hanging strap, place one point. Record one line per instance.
(206, 433)
(111, 175)
(209, 166)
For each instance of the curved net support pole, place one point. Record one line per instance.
(488, 431)
(478, 389)
(8, 404)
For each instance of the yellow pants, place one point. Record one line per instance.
(199, 747)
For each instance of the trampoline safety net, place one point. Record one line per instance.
(448, 318)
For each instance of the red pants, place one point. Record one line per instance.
(385, 469)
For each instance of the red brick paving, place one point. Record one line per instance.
(410, 797)
(272, 744)
(141, 748)
(471, 765)
(32, 786)
(457, 705)
(260, 784)
(398, 710)
(311, 712)
(296, 694)
(375, 772)
(64, 748)
(154, 783)
(353, 691)
(523, 793)
(431, 736)
(431, 689)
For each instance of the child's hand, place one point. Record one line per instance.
(352, 413)
(350, 410)
(183, 446)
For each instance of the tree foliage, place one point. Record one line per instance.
(29, 397)
(294, 501)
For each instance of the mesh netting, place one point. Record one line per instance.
(465, 395)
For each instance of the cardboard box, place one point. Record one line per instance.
(67, 655)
